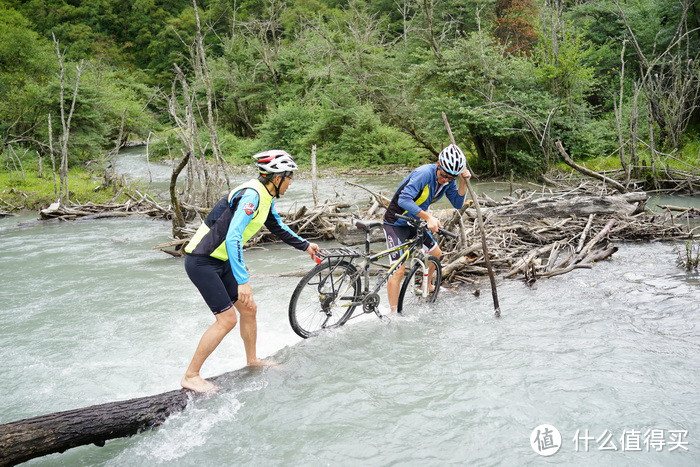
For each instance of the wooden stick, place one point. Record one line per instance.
(492, 278)
(56, 432)
(378, 196)
(582, 241)
(314, 175)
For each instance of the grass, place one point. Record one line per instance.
(688, 160)
(29, 191)
(689, 256)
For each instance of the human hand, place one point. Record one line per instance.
(466, 175)
(312, 250)
(433, 224)
(245, 294)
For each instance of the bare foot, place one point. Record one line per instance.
(198, 384)
(261, 362)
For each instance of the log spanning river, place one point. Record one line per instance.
(609, 356)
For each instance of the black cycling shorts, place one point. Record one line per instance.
(397, 234)
(215, 281)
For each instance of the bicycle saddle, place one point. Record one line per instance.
(367, 225)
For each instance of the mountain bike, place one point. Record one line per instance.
(329, 294)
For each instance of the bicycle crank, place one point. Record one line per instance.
(370, 303)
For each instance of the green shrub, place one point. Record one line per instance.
(287, 128)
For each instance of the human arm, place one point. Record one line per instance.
(244, 206)
(419, 190)
(415, 195)
(456, 192)
(275, 224)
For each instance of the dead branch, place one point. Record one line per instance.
(586, 171)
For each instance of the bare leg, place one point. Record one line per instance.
(393, 287)
(249, 333)
(211, 338)
(437, 252)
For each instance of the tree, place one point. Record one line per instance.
(670, 78)
(65, 118)
(24, 61)
(515, 25)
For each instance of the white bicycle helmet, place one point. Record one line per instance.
(274, 161)
(452, 160)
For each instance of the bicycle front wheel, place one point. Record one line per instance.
(326, 297)
(413, 292)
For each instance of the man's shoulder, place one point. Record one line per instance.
(248, 193)
(424, 171)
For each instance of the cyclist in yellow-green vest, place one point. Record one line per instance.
(214, 261)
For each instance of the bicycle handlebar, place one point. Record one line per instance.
(416, 222)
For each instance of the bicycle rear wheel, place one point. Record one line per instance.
(411, 294)
(324, 298)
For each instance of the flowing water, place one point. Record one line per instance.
(91, 313)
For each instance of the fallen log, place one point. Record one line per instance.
(34, 437)
(579, 206)
(348, 235)
(567, 159)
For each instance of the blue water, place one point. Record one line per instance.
(92, 314)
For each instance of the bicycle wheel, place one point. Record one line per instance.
(324, 298)
(411, 294)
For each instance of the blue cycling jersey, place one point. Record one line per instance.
(418, 191)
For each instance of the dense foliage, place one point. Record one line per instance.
(365, 81)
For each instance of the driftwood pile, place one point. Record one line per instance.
(529, 235)
(138, 204)
(318, 222)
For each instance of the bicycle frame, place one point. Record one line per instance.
(369, 299)
(329, 295)
(410, 246)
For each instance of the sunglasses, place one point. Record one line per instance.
(447, 176)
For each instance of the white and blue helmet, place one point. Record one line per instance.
(452, 160)
(274, 161)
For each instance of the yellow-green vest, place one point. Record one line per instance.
(259, 218)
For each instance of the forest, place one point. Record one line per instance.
(616, 82)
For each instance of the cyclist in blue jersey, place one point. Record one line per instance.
(421, 188)
(214, 261)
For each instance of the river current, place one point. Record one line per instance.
(609, 356)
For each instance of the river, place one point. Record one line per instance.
(91, 313)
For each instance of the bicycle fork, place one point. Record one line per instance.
(425, 286)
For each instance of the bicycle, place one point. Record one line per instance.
(328, 295)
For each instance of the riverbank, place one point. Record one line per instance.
(27, 191)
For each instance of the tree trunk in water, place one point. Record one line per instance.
(47, 434)
(179, 219)
(57, 432)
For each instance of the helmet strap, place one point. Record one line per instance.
(276, 186)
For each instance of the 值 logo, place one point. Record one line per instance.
(545, 440)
